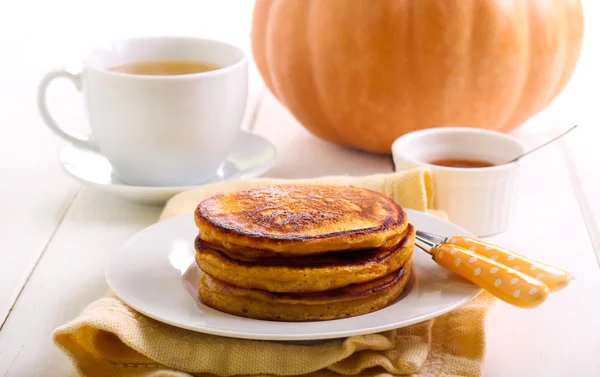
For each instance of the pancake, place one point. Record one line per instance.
(300, 220)
(305, 274)
(350, 301)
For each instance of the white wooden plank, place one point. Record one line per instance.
(581, 152)
(560, 338)
(68, 277)
(34, 192)
(578, 104)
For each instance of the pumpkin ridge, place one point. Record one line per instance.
(269, 68)
(335, 132)
(458, 87)
(410, 35)
(469, 65)
(322, 113)
(509, 120)
(561, 62)
(269, 47)
(258, 33)
(574, 50)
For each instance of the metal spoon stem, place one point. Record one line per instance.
(543, 145)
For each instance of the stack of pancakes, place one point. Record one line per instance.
(302, 252)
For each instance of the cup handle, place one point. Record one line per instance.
(72, 137)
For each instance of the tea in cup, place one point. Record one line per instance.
(164, 111)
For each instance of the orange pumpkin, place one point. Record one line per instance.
(360, 73)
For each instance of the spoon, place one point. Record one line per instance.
(511, 277)
(543, 145)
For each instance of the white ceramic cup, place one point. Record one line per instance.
(159, 130)
(481, 200)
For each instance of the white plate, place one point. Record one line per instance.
(251, 156)
(155, 273)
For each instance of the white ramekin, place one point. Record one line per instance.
(481, 200)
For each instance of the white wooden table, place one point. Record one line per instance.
(56, 236)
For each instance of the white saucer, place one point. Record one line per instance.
(251, 156)
(155, 273)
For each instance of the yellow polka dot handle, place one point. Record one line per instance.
(502, 281)
(554, 278)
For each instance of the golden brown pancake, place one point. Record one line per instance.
(350, 301)
(300, 220)
(305, 274)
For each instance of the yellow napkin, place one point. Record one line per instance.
(109, 339)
